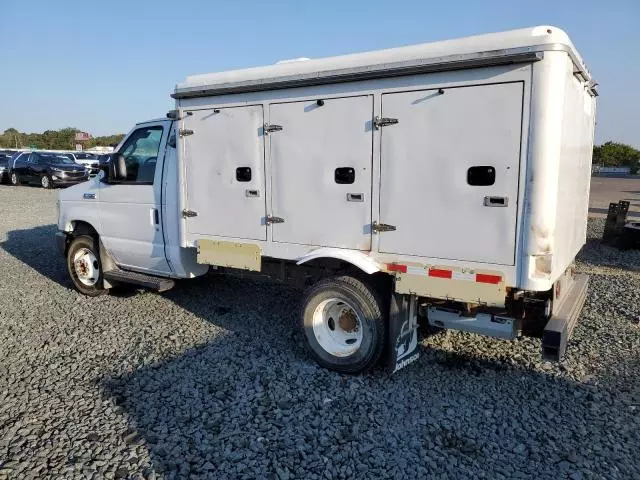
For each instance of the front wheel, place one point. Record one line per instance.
(344, 324)
(83, 263)
(45, 181)
(15, 180)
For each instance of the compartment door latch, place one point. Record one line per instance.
(384, 121)
(271, 220)
(270, 128)
(382, 227)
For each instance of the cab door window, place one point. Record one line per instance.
(140, 152)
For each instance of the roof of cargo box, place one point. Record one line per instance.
(514, 46)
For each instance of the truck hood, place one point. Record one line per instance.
(76, 193)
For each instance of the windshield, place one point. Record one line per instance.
(3, 161)
(57, 158)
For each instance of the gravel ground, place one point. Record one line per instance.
(211, 380)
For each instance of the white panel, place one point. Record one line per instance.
(531, 39)
(425, 158)
(224, 140)
(574, 172)
(314, 141)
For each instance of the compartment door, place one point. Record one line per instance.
(436, 169)
(224, 172)
(321, 178)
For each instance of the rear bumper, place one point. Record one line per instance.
(559, 328)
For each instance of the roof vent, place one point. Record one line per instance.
(292, 60)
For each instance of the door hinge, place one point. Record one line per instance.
(271, 219)
(189, 213)
(185, 132)
(382, 227)
(383, 121)
(268, 128)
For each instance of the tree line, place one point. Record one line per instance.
(63, 139)
(614, 154)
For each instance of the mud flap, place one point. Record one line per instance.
(403, 332)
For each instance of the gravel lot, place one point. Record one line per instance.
(211, 380)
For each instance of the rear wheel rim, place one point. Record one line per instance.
(337, 327)
(45, 182)
(86, 267)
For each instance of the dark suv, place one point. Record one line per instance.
(48, 169)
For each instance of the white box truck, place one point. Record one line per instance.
(447, 182)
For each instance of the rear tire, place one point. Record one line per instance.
(344, 323)
(83, 264)
(15, 179)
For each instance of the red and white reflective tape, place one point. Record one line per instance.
(445, 273)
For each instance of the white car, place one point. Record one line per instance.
(89, 160)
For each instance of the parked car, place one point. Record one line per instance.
(89, 160)
(48, 169)
(4, 167)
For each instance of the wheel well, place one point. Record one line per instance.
(305, 274)
(79, 228)
(83, 228)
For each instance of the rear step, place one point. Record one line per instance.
(482, 323)
(559, 328)
(148, 281)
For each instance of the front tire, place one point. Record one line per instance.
(46, 182)
(344, 323)
(83, 264)
(15, 179)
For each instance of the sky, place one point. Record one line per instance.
(101, 66)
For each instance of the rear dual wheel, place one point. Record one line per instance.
(344, 323)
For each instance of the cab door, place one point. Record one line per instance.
(131, 209)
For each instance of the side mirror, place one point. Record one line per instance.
(117, 168)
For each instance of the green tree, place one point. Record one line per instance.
(63, 139)
(10, 138)
(614, 154)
